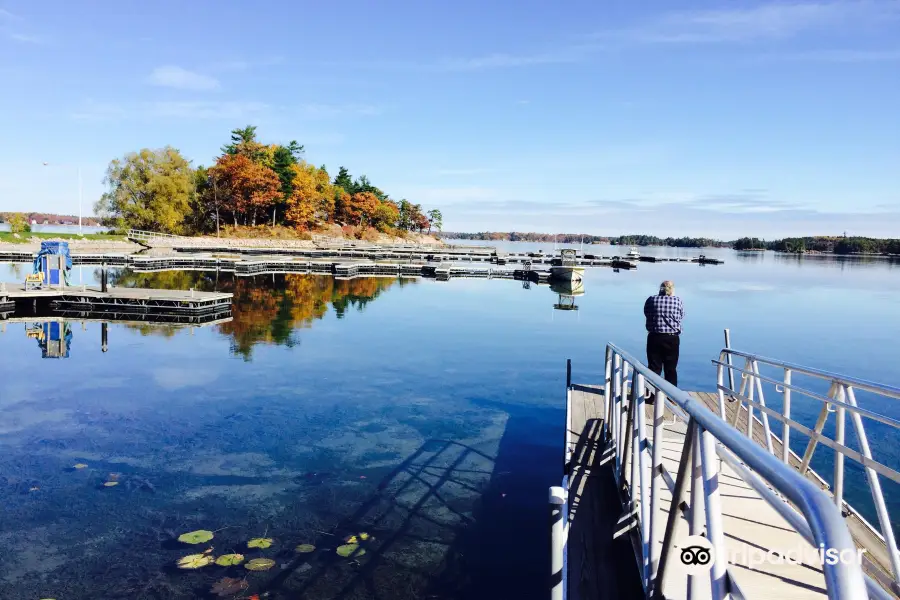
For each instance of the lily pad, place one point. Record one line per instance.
(195, 537)
(348, 550)
(110, 483)
(259, 564)
(195, 561)
(79, 466)
(305, 548)
(229, 586)
(228, 560)
(260, 543)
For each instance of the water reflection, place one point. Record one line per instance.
(267, 309)
(54, 338)
(567, 292)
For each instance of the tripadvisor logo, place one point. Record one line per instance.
(696, 554)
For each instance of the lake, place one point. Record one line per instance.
(426, 417)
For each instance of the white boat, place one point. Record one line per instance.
(633, 253)
(565, 268)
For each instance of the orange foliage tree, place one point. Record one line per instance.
(247, 188)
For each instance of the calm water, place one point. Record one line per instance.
(426, 414)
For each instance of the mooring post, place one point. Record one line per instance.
(103, 277)
(104, 334)
(568, 373)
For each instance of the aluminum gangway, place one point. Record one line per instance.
(676, 458)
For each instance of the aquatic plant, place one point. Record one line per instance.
(229, 586)
(259, 564)
(348, 550)
(262, 542)
(196, 537)
(305, 548)
(195, 561)
(228, 560)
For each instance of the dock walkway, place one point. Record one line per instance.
(119, 299)
(752, 527)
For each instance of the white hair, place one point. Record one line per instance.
(667, 288)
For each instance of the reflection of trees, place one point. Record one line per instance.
(266, 308)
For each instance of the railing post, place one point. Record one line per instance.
(720, 381)
(617, 407)
(659, 408)
(713, 508)
(607, 395)
(751, 383)
(728, 346)
(786, 410)
(838, 455)
(884, 519)
(764, 414)
(696, 522)
(643, 476)
(557, 543)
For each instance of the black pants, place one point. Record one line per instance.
(662, 352)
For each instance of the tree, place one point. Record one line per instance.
(312, 199)
(245, 188)
(435, 219)
(385, 216)
(344, 181)
(403, 220)
(150, 189)
(240, 137)
(361, 207)
(18, 223)
(363, 185)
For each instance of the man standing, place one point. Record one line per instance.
(664, 313)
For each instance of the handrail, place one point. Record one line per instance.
(844, 580)
(841, 400)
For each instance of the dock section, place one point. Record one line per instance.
(602, 526)
(91, 299)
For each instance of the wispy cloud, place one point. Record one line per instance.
(772, 22)
(27, 39)
(106, 111)
(182, 79)
(463, 172)
(768, 21)
(5, 15)
(841, 56)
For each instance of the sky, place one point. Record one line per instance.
(670, 117)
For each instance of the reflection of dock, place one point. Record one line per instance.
(143, 320)
(118, 300)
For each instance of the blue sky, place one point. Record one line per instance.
(672, 118)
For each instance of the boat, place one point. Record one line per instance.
(565, 268)
(633, 253)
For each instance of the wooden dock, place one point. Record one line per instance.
(598, 525)
(118, 299)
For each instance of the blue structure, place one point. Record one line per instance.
(54, 261)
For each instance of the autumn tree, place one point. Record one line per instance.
(18, 223)
(385, 215)
(246, 188)
(312, 199)
(150, 189)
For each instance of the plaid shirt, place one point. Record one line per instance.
(664, 314)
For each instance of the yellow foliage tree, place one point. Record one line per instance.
(312, 200)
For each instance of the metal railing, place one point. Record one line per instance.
(839, 400)
(138, 234)
(709, 438)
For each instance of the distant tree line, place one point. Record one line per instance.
(250, 184)
(826, 244)
(518, 236)
(834, 245)
(50, 218)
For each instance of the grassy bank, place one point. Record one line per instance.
(24, 238)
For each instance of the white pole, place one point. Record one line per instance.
(557, 542)
(80, 195)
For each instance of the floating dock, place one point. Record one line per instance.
(91, 299)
